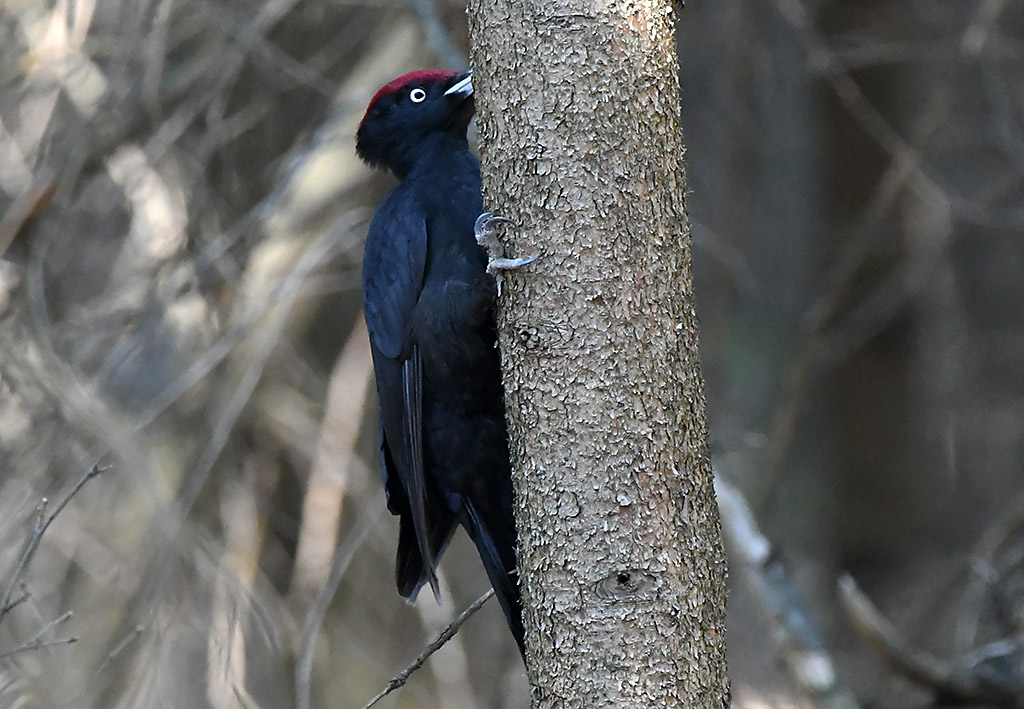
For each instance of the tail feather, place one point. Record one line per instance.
(412, 572)
(499, 561)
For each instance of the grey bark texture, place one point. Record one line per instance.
(621, 561)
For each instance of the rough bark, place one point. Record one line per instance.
(621, 560)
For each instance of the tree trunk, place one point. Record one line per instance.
(620, 555)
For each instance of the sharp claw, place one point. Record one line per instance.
(479, 226)
(484, 224)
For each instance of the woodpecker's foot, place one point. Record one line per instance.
(509, 264)
(483, 229)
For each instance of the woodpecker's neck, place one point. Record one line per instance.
(436, 148)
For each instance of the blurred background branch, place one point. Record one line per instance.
(181, 223)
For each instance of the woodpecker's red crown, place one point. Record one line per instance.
(413, 78)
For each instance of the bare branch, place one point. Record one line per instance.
(983, 571)
(42, 524)
(926, 183)
(278, 306)
(125, 642)
(36, 641)
(982, 676)
(447, 634)
(799, 642)
(37, 645)
(329, 475)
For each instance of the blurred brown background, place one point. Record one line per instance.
(181, 223)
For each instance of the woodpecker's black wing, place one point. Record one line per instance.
(394, 263)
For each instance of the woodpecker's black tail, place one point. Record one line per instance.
(495, 539)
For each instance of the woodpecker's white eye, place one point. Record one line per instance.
(417, 95)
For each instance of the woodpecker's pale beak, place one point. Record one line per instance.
(462, 87)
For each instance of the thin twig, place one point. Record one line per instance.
(42, 524)
(447, 634)
(36, 641)
(125, 641)
(37, 645)
(25, 595)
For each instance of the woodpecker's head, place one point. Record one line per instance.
(408, 110)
